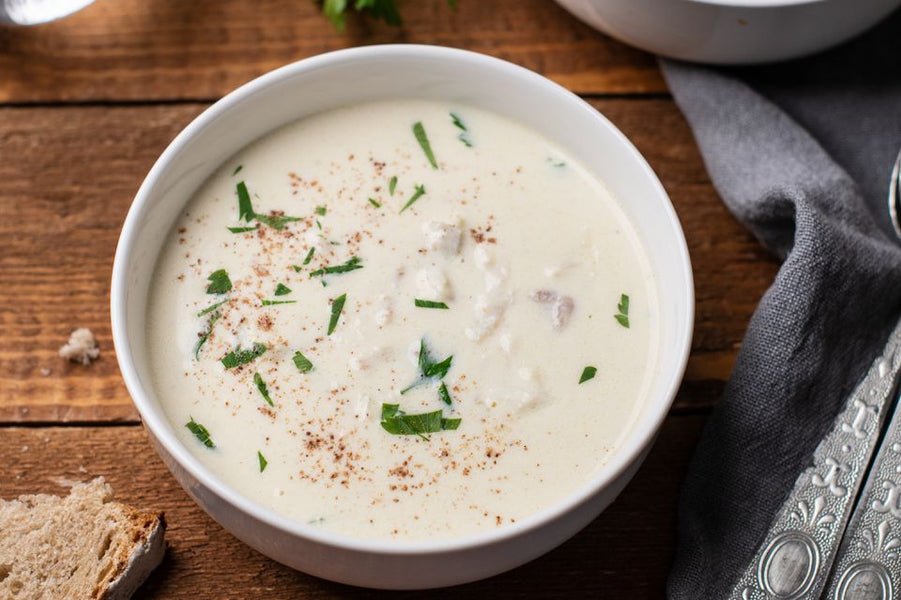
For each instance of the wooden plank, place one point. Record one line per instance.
(70, 174)
(201, 49)
(625, 553)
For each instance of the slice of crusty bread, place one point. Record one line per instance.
(81, 546)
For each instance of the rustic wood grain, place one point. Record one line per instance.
(69, 175)
(625, 553)
(201, 49)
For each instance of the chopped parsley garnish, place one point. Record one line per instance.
(444, 394)
(246, 212)
(243, 229)
(374, 203)
(352, 264)
(210, 309)
(302, 363)
(306, 259)
(276, 302)
(623, 307)
(337, 307)
(237, 170)
(261, 385)
(263, 461)
(397, 422)
(277, 222)
(464, 136)
(200, 432)
(245, 207)
(423, 139)
(429, 304)
(219, 282)
(588, 373)
(391, 185)
(321, 210)
(281, 290)
(559, 164)
(419, 191)
(205, 335)
(240, 357)
(428, 368)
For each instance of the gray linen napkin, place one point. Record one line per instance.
(801, 153)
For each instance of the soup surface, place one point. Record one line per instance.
(403, 320)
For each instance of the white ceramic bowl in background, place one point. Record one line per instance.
(731, 31)
(376, 73)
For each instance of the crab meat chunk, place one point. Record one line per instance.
(442, 237)
(432, 284)
(488, 314)
(561, 307)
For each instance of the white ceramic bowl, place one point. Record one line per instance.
(731, 31)
(374, 73)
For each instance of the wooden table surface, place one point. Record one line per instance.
(86, 106)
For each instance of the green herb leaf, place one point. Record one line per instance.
(205, 335)
(277, 222)
(276, 302)
(335, 11)
(458, 122)
(623, 307)
(309, 255)
(243, 229)
(200, 432)
(464, 136)
(391, 185)
(240, 357)
(302, 363)
(429, 370)
(210, 309)
(281, 290)
(337, 307)
(219, 282)
(423, 139)
(245, 207)
(397, 422)
(419, 191)
(352, 264)
(261, 385)
(263, 461)
(450, 424)
(237, 170)
(374, 203)
(429, 304)
(321, 210)
(587, 373)
(246, 212)
(444, 394)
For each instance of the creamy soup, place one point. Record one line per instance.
(405, 320)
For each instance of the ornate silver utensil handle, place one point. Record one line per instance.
(868, 563)
(796, 556)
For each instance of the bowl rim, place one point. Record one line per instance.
(163, 431)
(757, 4)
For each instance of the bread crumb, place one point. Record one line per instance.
(81, 348)
(45, 371)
